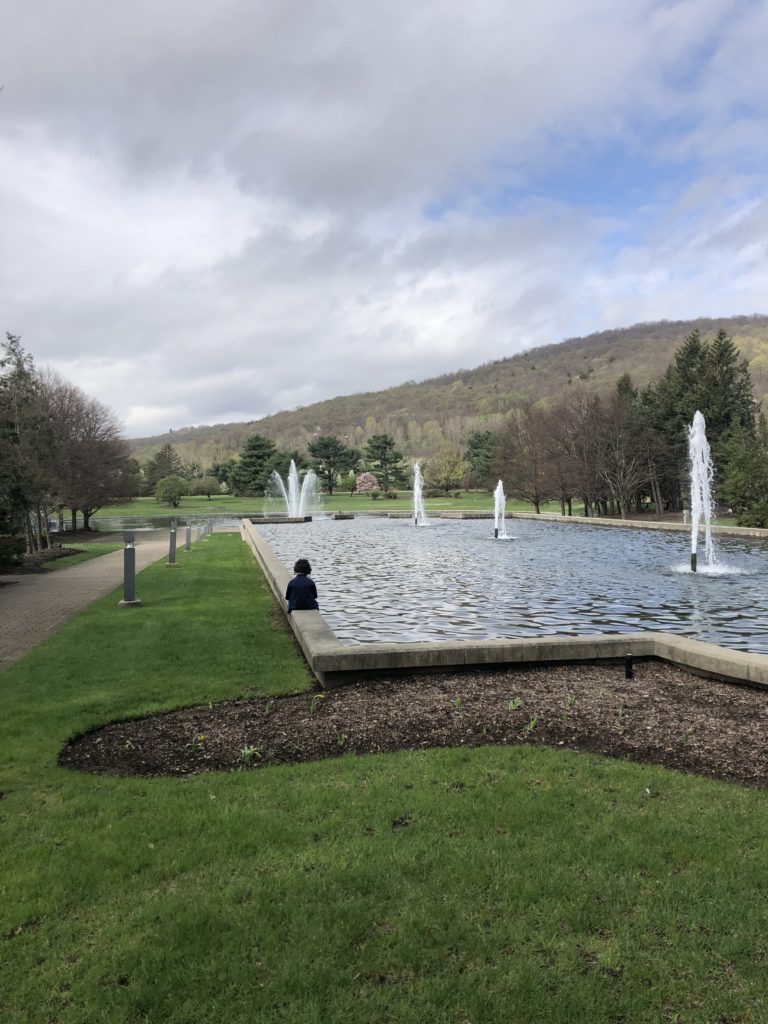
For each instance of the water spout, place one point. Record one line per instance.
(299, 497)
(419, 515)
(702, 473)
(499, 508)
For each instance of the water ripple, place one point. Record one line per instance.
(384, 580)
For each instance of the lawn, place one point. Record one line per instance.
(226, 504)
(91, 549)
(460, 886)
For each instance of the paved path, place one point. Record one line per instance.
(33, 607)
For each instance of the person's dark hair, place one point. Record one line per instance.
(302, 567)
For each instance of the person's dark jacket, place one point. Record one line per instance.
(301, 594)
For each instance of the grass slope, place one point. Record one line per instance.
(447, 886)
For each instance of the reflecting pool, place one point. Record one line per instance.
(385, 580)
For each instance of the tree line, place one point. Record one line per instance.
(59, 450)
(628, 450)
(619, 453)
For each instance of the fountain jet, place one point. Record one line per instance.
(499, 508)
(702, 473)
(300, 497)
(419, 515)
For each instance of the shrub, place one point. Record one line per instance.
(12, 548)
(392, 495)
(756, 517)
(367, 482)
(375, 495)
(433, 492)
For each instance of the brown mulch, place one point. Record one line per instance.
(663, 715)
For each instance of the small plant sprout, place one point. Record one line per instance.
(341, 740)
(571, 700)
(314, 703)
(247, 754)
(514, 704)
(531, 725)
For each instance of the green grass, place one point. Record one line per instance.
(453, 886)
(225, 504)
(91, 550)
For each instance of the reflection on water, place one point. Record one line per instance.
(117, 523)
(384, 580)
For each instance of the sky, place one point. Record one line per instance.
(212, 210)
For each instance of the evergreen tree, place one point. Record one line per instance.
(384, 460)
(478, 454)
(254, 466)
(167, 462)
(330, 457)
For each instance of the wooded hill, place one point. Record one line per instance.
(425, 416)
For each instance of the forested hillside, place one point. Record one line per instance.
(424, 416)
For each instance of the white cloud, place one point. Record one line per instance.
(215, 210)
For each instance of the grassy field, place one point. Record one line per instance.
(464, 886)
(225, 504)
(91, 549)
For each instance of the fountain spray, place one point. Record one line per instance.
(419, 515)
(499, 508)
(300, 497)
(701, 494)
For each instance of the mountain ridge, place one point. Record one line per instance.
(424, 416)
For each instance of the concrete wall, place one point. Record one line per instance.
(334, 663)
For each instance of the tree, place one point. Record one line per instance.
(92, 466)
(254, 466)
(384, 460)
(224, 471)
(521, 457)
(166, 462)
(206, 485)
(623, 464)
(330, 456)
(446, 471)
(171, 489)
(26, 443)
(745, 481)
(479, 454)
(367, 482)
(705, 376)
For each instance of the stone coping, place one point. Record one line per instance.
(334, 663)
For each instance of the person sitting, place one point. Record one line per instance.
(301, 593)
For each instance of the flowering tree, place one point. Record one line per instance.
(367, 482)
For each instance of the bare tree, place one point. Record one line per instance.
(624, 454)
(522, 457)
(91, 460)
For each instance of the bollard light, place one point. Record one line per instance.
(188, 538)
(628, 670)
(172, 563)
(129, 572)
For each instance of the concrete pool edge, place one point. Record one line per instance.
(333, 663)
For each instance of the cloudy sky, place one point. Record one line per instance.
(215, 209)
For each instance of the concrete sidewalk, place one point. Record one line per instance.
(32, 607)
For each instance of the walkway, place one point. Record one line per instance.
(32, 607)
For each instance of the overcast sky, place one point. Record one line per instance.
(211, 210)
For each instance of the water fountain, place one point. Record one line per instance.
(701, 496)
(300, 497)
(419, 515)
(499, 508)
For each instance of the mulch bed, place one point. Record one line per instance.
(663, 715)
